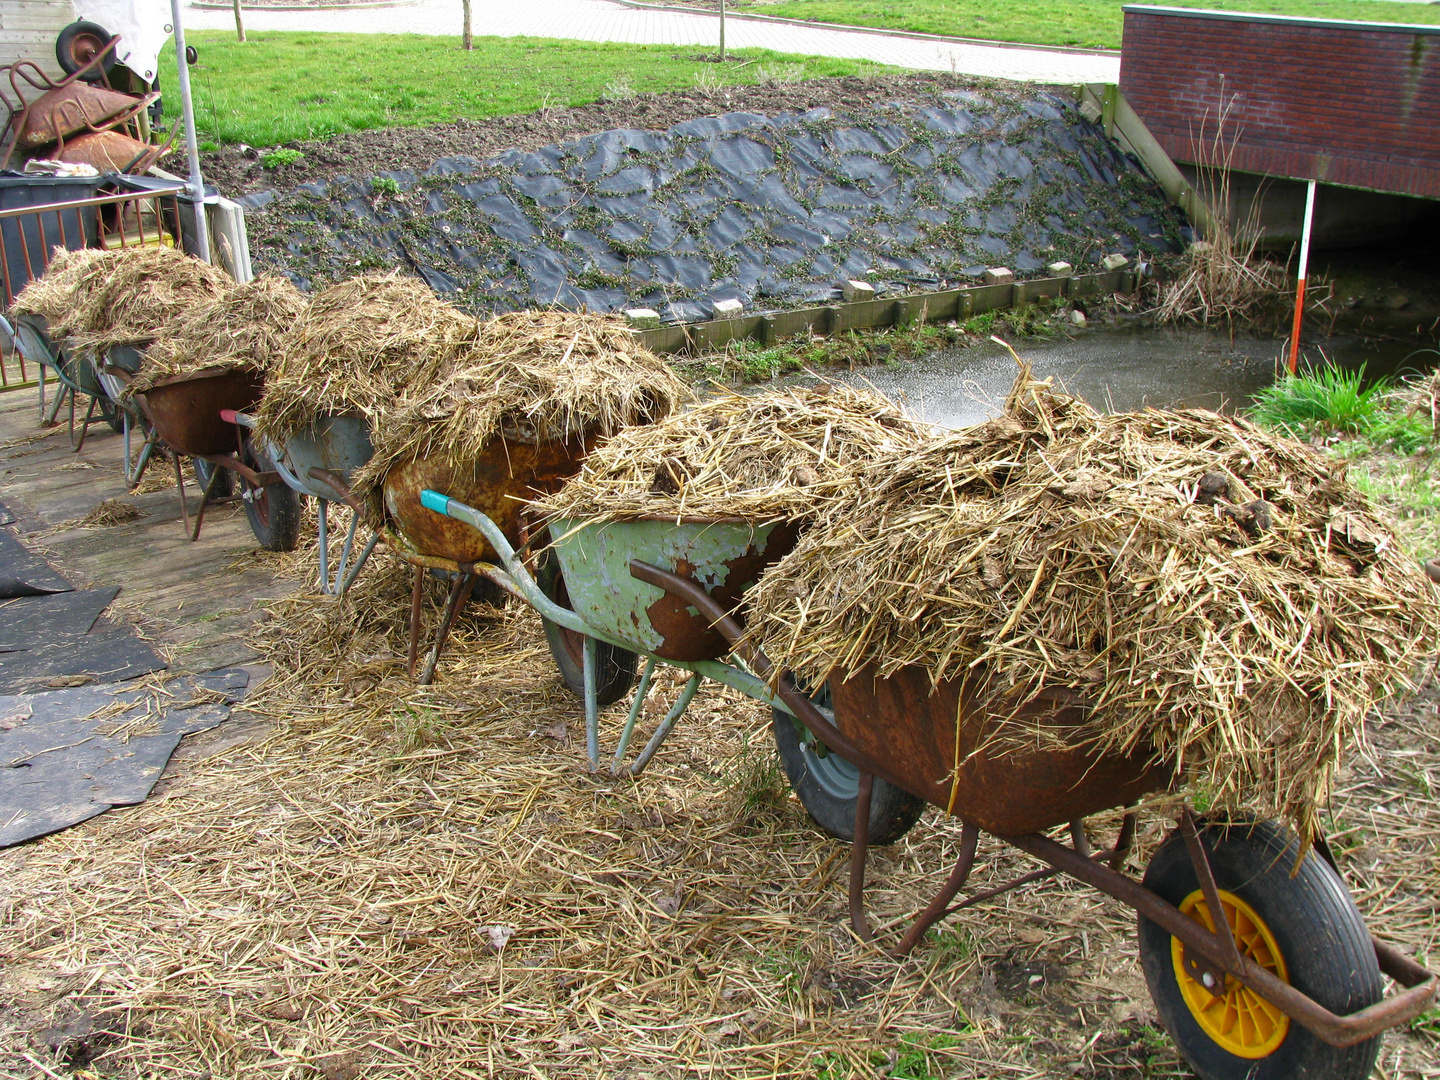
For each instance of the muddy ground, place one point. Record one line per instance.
(237, 171)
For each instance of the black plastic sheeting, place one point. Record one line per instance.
(68, 755)
(774, 211)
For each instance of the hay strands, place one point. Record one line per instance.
(1215, 951)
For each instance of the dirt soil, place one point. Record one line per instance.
(238, 171)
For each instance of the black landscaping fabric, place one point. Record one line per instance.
(67, 755)
(27, 622)
(773, 210)
(24, 573)
(6, 517)
(112, 654)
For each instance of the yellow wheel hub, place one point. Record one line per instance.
(1239, 1021)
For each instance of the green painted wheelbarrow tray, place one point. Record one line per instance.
(1287, 984)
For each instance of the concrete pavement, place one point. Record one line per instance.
(600, 20)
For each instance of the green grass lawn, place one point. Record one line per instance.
(1089, 23)
(279, 87)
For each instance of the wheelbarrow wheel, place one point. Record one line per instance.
(204, 471)
(274, 510)
(1304, 929)
(614, 667)
(828, 785)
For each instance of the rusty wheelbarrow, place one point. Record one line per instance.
(1258, 961)
(514, 467)
(196, 415)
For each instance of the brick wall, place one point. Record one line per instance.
(1355, 104)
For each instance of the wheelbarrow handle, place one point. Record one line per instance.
(433, 500)
(235, 416)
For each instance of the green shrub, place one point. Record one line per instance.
(385, 185)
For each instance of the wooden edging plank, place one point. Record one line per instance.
(876, 314)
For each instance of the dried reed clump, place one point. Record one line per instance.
(241, 329)
(535, 376)
(110, 512)
(359, 346)
(1218, 594)
(764, 457)
(64, 284)
(131, 295)
(1221, 280)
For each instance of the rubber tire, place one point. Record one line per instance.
(893, 811)
(276, 520)
(615, 668)
(1327, 950)
(203, 470)
(64, 42)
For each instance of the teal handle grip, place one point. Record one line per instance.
(433, 500)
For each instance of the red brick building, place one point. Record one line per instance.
(1349, 104)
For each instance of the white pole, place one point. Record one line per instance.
(1300, 284)
(192, 147)
(722, 31)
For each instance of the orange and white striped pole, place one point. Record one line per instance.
(1300, 284)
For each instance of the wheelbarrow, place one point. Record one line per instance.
(115, 368)
(74, 373)
(513, 468)
(1257, 959)
(320, 462)
(196, 415)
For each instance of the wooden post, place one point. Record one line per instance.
(467, 40)
(722, 31)
(239, 25)
(1300, 282)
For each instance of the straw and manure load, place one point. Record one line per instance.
(357, 349)
(95, 299)
(1221, 598)
(763, 457)
(510, 421)
(241, 330)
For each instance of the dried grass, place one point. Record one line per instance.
(536, 376)
(1218, 594)
(110, 512)
(241, 329)
(65, 283)
(127, 296)
(359, 347)
(765, 457)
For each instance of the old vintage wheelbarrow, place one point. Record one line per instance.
(1258, 962)
(320, 462)
(74, 373)
(514, 467)
(195, 415)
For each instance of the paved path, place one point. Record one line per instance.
(599, 20)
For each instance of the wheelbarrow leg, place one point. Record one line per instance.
(937, 909)
(416, 595)
(204, 497)
(592, 702)
(84, 425)
(857, 857)
(667, 725)
(459, 594)
(629, 731)
(324, 546)
(359, 564)
(345, 552)
(180, 484)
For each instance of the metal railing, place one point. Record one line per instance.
(30, 236)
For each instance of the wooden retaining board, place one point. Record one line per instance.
(878, 314)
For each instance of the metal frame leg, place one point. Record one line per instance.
(324, 547)
(640, 691)
(858, 850)
(592, 701)
(334, 587)
(459, 594)
(416, 596)
(359, 564)
(667, 725)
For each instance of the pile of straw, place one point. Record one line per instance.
(1216, 593)
(535, 376)
(65, 284)
(128, 296)
(359, 346)
(765, 458)
(242, 329)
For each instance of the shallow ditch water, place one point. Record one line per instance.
(1119, 370)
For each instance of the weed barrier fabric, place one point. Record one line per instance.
(775, 211)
